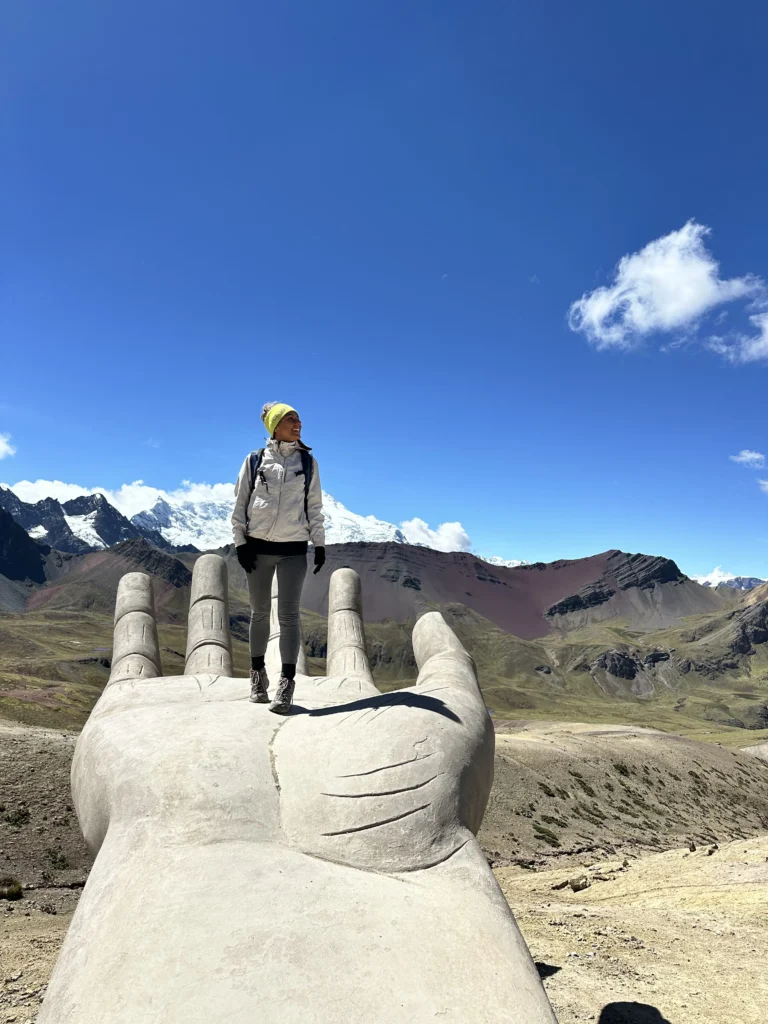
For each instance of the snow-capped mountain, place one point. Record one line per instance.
(718, 578)
(345, 527)
(95, 520)
(203, 524)
(81, 524)
(206, 524)
(508, 563)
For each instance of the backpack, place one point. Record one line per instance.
(307, 465)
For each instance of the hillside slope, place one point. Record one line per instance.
(708, 671)
(530, 601)
(90, 581)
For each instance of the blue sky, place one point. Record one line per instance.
(383, 214)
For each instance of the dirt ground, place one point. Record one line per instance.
(682, 934)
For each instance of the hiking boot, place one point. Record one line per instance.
(281, 705)
(259, 686)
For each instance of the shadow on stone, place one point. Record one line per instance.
(385, 700)
(546, 970)
(631, 1013)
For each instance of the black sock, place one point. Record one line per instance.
(289, 671)
(257, 663)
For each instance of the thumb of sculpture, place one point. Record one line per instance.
(319, 560)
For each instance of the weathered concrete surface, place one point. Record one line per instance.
(319, 867)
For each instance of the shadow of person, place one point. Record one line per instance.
(398, 698)
(631, 1013)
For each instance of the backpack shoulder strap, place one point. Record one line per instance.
(307, 464)
(254, 462)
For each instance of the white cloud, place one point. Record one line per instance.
(129, 498)
(31, 491)
(763, 486)
(6, 448)
(744, 348)
(749, 459)
(665, 288)
(447, 537)
(715, 578)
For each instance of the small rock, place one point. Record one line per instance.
(712, 849)
(579, 883)
(560, 885)
(692, 846)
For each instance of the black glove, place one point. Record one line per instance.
(246, 557)
(319, 560)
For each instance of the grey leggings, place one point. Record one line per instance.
(291, 570)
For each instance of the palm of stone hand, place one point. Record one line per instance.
(393, 781)
(339, 838)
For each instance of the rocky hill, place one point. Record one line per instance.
(646, 591)
(529, 601)
(89, 582)
(21, 559)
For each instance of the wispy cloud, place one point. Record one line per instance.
(667, 288)
(6, 448)
(749, 459)
(744, 348)
(763, 486)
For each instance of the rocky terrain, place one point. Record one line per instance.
(563, 789)
(673, 938)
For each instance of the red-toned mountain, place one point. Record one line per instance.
(529, 601)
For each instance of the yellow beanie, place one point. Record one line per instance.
(274, 415)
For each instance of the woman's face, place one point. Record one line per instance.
(289, 428)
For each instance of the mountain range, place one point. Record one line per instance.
(85, 523)
(718, 578)
(89, 523)
(612, 626)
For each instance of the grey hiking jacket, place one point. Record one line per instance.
(274, 509)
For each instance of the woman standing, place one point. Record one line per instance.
(278, 510)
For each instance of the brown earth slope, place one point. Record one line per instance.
(90, 581)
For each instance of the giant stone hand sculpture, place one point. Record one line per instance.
(255, 869)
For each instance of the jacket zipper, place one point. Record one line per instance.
(279, 496)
